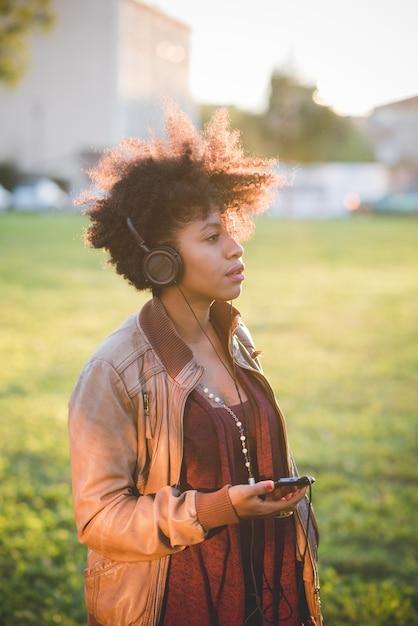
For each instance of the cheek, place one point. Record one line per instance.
(202, 262)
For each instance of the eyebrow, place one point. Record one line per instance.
(210, 225)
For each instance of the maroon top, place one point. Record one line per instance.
(210, 583)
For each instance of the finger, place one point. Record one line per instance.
(278, 494)
(275, 497)
(298, 495)
(262, 487)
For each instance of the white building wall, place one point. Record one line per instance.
(393, 129)
(153, 62)
(328, 189)
(98, 76)
(66, 103)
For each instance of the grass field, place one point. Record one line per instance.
(333, 305)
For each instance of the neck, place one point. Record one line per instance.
(181, 315)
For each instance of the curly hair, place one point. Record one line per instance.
(164, 184)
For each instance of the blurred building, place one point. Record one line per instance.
(323, 190)
(96, 77)
(393, 129)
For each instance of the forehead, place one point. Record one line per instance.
(226, 221)
(200, 224)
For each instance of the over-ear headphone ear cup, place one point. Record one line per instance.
(162, 266)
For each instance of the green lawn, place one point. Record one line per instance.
(333, 305)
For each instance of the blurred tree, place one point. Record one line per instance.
(249, 124)
(301, 129)
(17, 19)
(295, 127)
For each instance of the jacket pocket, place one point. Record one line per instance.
(91, 580)
(116, 592)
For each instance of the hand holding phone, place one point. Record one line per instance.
(287, 485)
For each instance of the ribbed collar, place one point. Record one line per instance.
(164, 338)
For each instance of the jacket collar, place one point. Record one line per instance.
(167, 343)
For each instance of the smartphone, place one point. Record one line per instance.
(294, 481)
(289, 484)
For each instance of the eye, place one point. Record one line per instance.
(211, 238)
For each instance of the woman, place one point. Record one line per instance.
(175, 433)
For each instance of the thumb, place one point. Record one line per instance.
(264, 486)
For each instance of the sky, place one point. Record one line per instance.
(357, 53)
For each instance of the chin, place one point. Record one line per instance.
(223, 293)
(231, 293)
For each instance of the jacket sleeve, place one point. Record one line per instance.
(111, 518)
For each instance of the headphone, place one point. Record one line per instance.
(162, 266)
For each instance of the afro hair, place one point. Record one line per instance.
(163, 184)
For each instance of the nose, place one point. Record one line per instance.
(234, 249)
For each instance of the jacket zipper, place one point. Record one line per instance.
(150, 611)
(148, 432)
(145, 399)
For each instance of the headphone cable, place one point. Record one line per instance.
(258, 607)
(233, 362)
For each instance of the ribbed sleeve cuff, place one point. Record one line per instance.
(215, 509)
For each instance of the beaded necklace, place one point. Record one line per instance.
(238, 424)
(218, 400)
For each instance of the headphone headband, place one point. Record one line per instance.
(137, 235)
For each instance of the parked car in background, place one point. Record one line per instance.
(5, 199)
(39, 194)
(395, 202)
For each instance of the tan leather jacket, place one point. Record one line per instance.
(126, 444)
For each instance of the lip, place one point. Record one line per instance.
(237, 269)
(235, 277)
(236, 273)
